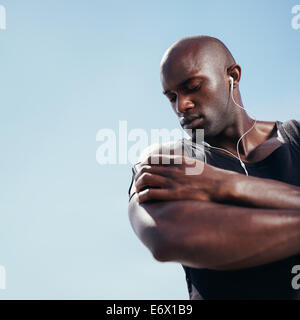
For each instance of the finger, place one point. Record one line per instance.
(150, 180)
(163, 159)
(160, 170)
(156, 194)
(147, 169)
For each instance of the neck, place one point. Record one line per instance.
(231, 134)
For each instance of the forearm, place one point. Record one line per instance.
(228, 237)
(217, 236)
(261, 193)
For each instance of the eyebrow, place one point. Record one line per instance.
(182, 84)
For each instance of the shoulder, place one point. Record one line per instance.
(290, 131)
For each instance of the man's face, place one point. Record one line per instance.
(197, 86)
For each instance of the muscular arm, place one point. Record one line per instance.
(216, 236)
(202, 224)
(262, 193)
(218, 185)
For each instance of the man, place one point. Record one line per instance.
(237, 236)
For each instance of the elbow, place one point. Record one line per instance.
(152, 232)
(162, 247)
(155, 238)
(160, 253)
(156, 241)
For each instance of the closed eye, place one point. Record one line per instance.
(193, 89)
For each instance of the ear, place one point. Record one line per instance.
(235, 71)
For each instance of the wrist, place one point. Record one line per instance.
(230, 186)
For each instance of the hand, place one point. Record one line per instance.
(169, 181)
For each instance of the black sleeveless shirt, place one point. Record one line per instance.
(269, 281)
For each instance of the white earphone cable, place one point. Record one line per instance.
(237, 146)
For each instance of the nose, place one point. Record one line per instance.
(182, 104)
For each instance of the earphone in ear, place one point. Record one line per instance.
(231, 83)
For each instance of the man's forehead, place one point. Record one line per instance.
(179, 68)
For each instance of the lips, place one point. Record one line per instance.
(196, 123)
(188, 120)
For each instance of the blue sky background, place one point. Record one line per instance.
(70, 68)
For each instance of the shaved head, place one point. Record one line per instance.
(195, 75)
(201, 50)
